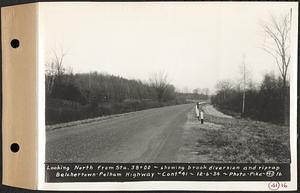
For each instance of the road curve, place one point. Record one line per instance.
(151, 135)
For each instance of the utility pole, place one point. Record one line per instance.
(244, 85)
(291, 17)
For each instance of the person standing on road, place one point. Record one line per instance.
(197, 110)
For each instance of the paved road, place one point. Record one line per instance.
(151, 135)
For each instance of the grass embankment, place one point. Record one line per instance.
(228, 111)
(239, 140)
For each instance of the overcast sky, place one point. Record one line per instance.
(196, 44)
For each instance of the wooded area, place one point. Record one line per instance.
(71, 97)
(265, 102)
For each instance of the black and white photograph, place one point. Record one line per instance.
(168, 82)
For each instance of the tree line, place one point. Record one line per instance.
(265, 102)
(71, 97)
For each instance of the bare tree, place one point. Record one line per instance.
(278, 31)
(196, 91)
(54, 70)
(206, 92)
(159, 81)
(224, 87)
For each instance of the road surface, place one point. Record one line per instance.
(169, 134)
(152, 135)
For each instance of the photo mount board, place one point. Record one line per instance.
(24, 122)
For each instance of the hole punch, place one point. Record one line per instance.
(15, 43)
(14, 147)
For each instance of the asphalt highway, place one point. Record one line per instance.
(151, 135)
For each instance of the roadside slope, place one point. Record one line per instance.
(226, 139)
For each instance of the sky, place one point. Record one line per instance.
(195, 44)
